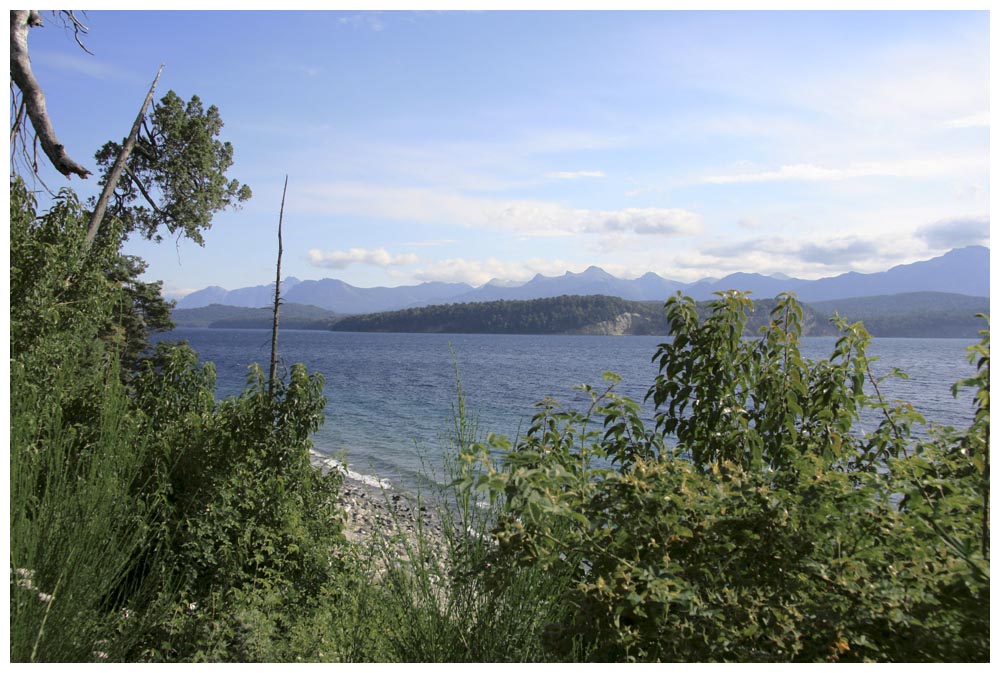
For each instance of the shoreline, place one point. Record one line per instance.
(386, 517)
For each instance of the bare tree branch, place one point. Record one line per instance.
(21, 21)
(69, 16)
(18, 118)
(142, 189)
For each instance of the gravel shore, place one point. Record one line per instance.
(391, 515)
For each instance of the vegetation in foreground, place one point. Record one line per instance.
(151, 523)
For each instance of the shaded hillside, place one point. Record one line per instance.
(917, 314)
(912, 314)
(293, 316)
(568, 314)
(558, 315)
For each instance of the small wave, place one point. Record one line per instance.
(323, 460)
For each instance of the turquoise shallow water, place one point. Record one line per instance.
(390, 397)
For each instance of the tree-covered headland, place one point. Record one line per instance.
(752, 522)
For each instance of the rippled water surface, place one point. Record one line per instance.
(390, 397)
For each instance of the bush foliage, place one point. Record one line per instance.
(772, 529)
(149, 521)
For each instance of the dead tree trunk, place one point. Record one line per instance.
(116, 170)
(277, 300)
(22, 21)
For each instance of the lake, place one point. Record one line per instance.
(390, 397)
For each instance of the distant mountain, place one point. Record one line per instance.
(329, 293)
(213, 294)
(760, 286)
(250, 297)
(962, 271)
(337, 295)
(590, 282)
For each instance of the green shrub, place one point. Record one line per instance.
(140, 496)
(251, 530)
(772, 530)
(76, 451)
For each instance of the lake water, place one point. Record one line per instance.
(390, 397)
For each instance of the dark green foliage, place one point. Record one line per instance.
(248, 517)
(75, 451)
(54, 285)
(74, 530)
(176, 175)
(755, 402)
(538, 316)
(175, 178)
(142, 310)
(773, 531)
(51, 287)
(149, 521)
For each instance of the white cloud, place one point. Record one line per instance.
(812, 256)
(340, 259)
(572, 175)
(82, 63)
(970, 121)
(431, 244)
(643, 221)
(956, 232)
(548, 219)
(911, 168)
(370, 20)
(522, 217)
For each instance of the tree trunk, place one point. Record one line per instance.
(116, 170)
(277, 301)
(21, 21)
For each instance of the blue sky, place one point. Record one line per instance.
(463, 146)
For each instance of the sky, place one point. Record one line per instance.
(470, 145)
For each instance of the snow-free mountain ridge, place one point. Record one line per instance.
(961, 271)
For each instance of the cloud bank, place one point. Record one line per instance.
(572, 175)
(341, 259)
(520, 217)
(956, 233)
(910, 168)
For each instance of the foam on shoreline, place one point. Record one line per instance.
(326, 462)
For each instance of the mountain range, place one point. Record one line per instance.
(961, 271)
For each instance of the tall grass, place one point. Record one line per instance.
(443, 602)
(74, 526)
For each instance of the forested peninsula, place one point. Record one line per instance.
(917, 314)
